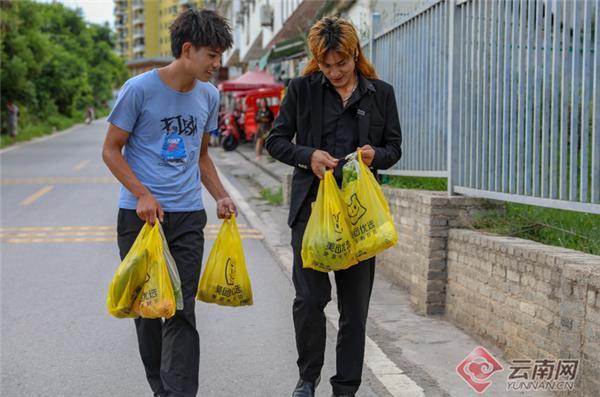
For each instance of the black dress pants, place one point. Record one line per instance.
(170, 349)
(313, 292)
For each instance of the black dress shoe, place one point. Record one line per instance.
(305, 388)
(343, 395)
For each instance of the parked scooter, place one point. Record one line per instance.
(233, 129)
(230, 132)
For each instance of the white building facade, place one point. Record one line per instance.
(271, 34)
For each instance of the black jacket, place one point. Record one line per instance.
(300, 116)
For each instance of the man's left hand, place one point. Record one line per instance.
(226, 208)
(367, 153)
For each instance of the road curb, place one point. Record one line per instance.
(393, 378)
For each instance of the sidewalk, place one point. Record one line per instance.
(425, 350)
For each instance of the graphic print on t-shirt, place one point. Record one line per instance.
(173, 149)
(182, 125)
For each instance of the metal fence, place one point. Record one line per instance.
(501, 97)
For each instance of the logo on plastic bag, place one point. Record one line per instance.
(337, 225)
(355, 209)
(230, 272)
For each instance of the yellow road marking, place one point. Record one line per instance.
(110, 233)
(36, 228)
(82, 164)
(59, 240)
(215, 231)
(60, 180)
(241, 226)
(218, 225)
(31, 199)
(98, 239)
(91, 234)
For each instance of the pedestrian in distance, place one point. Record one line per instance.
(90, 114)
(13, 118)
(337, 107)
(163, 118)
(264, 120)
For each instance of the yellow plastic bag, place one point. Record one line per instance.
(141, 286)
(327, 242)
(372, 225)
(173, 272)
(129, 278)
(225, 280)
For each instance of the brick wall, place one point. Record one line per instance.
(580, 320)
(418, 261)
(531, 300)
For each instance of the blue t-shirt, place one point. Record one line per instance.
(166, 128)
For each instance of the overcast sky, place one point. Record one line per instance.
(96, 11)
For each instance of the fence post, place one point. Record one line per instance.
(375, 28)
(452, 134)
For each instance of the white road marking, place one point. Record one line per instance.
(393, 378)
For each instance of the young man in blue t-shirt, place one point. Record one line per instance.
(162, 119)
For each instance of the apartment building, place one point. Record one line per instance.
(142, 29)
(268, 34)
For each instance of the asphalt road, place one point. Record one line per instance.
(58, 253)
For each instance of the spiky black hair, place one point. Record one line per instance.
(202, 28)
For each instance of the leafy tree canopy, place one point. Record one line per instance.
(53, 60)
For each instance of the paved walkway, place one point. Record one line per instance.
(410, 354)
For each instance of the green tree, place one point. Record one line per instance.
(53, 62)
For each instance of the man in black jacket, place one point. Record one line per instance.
(337, 107)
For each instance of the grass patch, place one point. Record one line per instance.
(102, 112)
(273, 197)
(576, 230)
(415, 182)
(570, 229)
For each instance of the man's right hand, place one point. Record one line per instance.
(148, 209)
(320, 161)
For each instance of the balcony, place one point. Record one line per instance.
(119, 11)
(138, 34)
(139, 48)
(137, 5)
(139, 19)
(120, 23)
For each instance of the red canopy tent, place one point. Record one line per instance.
(250, 80)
